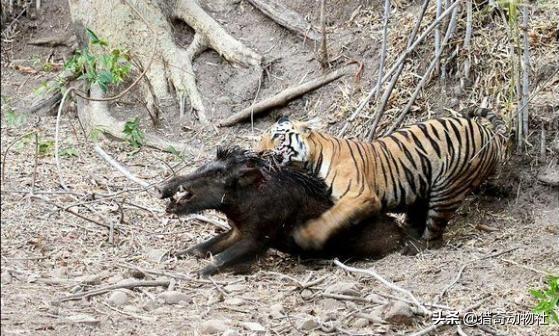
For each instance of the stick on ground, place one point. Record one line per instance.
(287, 18)
(103, 290)
(385, 282)
(286, 96)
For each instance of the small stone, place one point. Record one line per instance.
(234, 301)
(373, 317)
(235, 288)
(276, 311)
(375, 298)
(360, 323)
(126, 281)
(6, 277)
(213, 326)
(307, 324)
(59, 273)
(173, 297)
(118, 298)
(253, 326)
(330, 304)
(550, 176)
(399, 312)
(230, 333)
(307, 294)
(156, 255)
(345, 288)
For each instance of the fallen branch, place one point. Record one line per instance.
(385, 282)
(427, 75)
(399, 63)
(103, 290)
(107, 226)
(119, 167)
(55, 41)
(379, 111)
(323, 44)
(285, 96)
(286, 17)
(384, 44)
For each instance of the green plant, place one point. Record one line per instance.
(105, 66)
(13, 119)
(46, 147)
(548, 299)
(68, 152)
(133, 133)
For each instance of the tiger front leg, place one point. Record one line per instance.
(314, 233)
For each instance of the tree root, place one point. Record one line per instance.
(94, 115)
(286, 95)
(287, 18)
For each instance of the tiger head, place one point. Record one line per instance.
(289, 139)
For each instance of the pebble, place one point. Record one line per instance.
(213, 326)
(156, 255)
(118, 298)
(307, 324)
(234, 301)
(307, 294)
(253, 326)
(360, 323)
(174, 297)
(230, 332)
(330, 304)
(276, 311)
(6, 277)
(399, 312)
(235, 288)
(345, 288)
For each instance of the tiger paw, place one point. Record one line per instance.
(309, 238)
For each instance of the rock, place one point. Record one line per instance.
(360, 323)
(330, 304)
(235, 288)
(6, 277)
(59, 273)
(213, 326)
(118, 298)
(307, 324)
(373, 317)
(174, 297)
(550, 175)
(399, 312)
(230, 333)
(276, 311)
(156, 255)
(345, 288)
(253, 326)
(234, 301)
(307, 294)
(375, 298)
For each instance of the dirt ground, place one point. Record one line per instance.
(497, 248)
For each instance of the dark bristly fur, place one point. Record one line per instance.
(264, 203)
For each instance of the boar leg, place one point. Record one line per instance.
(241, 253)
(213, 245)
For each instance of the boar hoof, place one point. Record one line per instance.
(192, 251)
(208, 271)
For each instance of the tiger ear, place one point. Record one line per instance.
(282, 119)
(305, 127)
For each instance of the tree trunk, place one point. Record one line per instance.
(143, 28)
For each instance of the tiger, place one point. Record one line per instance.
(424, 170)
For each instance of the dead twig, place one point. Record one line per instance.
(399, 67)
(524, 109)
(119, 167)
(396, 66)
(323, 47)
(4, 158)
(103, 290)
(384, 44)
(286, 95)
(427, 75)
(286, 17)
(74, 213)
(385, 282)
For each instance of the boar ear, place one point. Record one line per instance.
(249, 176)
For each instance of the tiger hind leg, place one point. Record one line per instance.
(416, 217)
